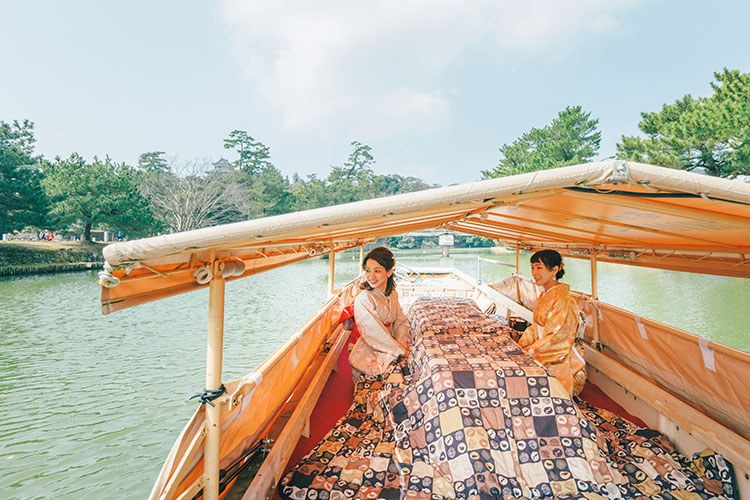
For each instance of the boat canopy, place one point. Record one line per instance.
(616, 211)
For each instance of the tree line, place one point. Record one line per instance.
(157, 195)
(711, 134)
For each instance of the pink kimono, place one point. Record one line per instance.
(384, 331)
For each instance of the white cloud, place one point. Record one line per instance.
(375, 69)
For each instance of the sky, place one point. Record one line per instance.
(434, 87)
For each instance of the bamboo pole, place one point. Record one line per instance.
(595, 297)
(331, 270)
(213, 382)
(518, 271)
(361, 257)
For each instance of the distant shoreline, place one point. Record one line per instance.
(18, 258)
(49, 269)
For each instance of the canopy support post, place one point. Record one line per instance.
(331, 270)
(361, 257)
(213, 381)
(595, 298)
(518, 271)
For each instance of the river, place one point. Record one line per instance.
(91, 404)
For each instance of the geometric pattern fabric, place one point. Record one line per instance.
(475, 417)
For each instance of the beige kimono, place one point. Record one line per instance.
(384, 331)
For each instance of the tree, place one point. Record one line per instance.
(270, 193)
(100, 193)
(183, 199)
(571, 138)
(23, 200)
(267, 190)
(125, 208)
(254, 156)
(153, 161)
(709, 132)
(312, 193)
(390, 184)
(352, 180)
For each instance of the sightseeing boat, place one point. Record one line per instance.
(690, 392)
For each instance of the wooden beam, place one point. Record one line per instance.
(498, 233)
(595, 296)
(593, 235)
(331, 270)
(518, 271)
(488, 228)
(180, 471)
(193, 489)
(390, 227)
(112, 301)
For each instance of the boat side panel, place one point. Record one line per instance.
(253, 402)
(684, 441)
(709, 375)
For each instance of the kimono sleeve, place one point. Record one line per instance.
(371, 328)
(400, 323)
(555, 341)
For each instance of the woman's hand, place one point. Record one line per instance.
(406, 347)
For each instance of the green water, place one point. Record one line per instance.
(90, 405)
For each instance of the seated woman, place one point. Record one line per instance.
(551, 336)
(383, 328)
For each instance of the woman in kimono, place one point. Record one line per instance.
(550, 338)
(384, 331)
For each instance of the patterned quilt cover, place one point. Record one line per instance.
(477, 418)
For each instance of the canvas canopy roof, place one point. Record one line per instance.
(624, 212)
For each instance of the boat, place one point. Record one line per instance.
(246, 433)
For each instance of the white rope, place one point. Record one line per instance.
(107, 280)
(203, 275)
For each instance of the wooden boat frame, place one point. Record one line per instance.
(618, 212)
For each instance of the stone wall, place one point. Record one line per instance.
(19, 258)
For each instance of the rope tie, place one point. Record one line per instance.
(208, 396)
(106, 279)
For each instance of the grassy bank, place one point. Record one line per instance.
(32, 257)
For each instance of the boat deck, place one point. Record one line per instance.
(337, 398)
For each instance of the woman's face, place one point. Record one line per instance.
(376, 275)
(542, 276)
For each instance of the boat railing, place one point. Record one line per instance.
(253, 403)
(406, 273)
(491, 261)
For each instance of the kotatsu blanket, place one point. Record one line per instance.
(477, 418)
